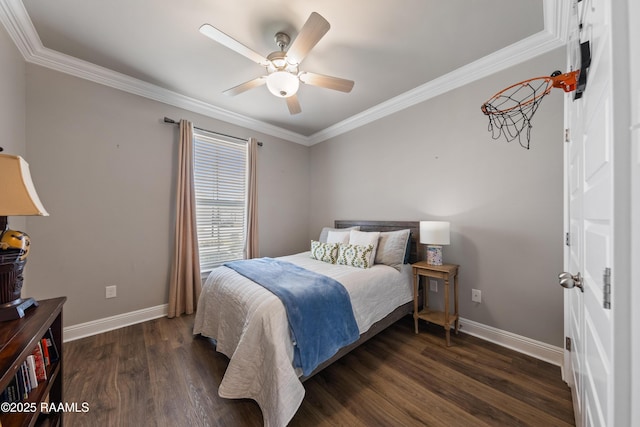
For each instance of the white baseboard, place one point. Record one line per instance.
(537, 349)
(95, 327)
(533, 348)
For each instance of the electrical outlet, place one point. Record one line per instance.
(110, 292)
(476, 295)
(433, 285)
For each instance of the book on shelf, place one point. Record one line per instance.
(32, 371)
(10, 394)
(13, 390)
(51, 346)
(27, 379)
(41, 370)
(45, 351)
(23, 391)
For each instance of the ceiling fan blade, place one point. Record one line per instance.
(237, 90)
(328, 82)
(293, 104)
(225, 40)
(310, 34)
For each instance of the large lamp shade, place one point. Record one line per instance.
(17, 194)
(434, 234)
(17, 197)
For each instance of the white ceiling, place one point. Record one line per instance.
(397, 52)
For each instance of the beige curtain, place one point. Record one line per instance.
(251, 243)
(185, 283)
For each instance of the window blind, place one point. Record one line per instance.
(220, 180)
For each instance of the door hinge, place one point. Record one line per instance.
(567, 239)
(567, 135)
(567, 343)
(606, 289)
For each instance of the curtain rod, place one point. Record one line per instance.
(173, 122)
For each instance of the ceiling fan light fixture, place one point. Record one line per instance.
(278, 60)
(283, 75)
(279, 63)
(283, 84)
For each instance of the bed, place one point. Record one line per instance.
(249, 324)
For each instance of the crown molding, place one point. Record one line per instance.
(21, 30)
(17, 22)
(553, 36)
(528, 48)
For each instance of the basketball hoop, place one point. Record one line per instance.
(510, 111)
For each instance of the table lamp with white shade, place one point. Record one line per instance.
(17, 197)
(434, 234)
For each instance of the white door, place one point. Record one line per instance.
(634, 70)
(590, 174)
(590, 225)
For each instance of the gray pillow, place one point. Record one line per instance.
(392, 246)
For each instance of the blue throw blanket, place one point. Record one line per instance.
(318, 308)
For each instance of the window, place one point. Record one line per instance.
(220, 180)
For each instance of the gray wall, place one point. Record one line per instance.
(436, 161)
(12, 106)
(104, 166)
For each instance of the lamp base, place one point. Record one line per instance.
(434, 255)
(15, 309)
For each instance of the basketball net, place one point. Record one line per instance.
(510, 111)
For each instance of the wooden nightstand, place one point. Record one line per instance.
(444, 318)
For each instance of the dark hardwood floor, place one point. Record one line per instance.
(157, 374)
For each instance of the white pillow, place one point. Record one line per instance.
(334, 236)
(365, 238)
(325, 231)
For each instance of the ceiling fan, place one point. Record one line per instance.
(283, 74)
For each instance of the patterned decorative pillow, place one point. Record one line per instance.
(365, 238)
(355, 255)
(327, 252)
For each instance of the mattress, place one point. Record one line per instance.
(250, 326)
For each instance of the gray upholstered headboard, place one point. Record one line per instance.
(414, 226)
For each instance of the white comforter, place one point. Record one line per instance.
(250, 326)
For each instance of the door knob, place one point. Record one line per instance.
(568, 280)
